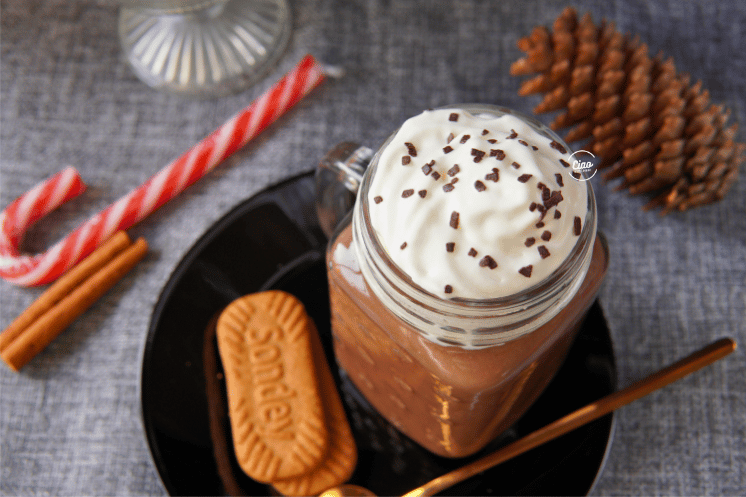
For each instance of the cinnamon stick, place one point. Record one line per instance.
(67, 299)
(63, 286)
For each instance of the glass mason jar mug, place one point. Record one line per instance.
(449, 368)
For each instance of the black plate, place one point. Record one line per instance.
(273, 240)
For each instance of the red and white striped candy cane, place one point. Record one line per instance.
(30, 270)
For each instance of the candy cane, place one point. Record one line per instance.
(30, 270)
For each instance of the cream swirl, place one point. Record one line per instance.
(475, 206)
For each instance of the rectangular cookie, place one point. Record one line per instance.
(274, 401)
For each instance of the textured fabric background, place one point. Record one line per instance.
(69, 423)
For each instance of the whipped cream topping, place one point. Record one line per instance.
(475, 206)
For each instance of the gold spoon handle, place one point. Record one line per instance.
(704, 357)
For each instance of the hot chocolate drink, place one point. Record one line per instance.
(463, 274)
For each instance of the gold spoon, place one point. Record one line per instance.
(704, 357)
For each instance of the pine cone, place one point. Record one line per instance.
(645, 121)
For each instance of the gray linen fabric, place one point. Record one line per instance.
(69, 423)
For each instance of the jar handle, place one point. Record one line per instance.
(338, 179)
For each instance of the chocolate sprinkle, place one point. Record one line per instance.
(447, 149)
(407, 193)
(450, 138)
(422, 193)
(577, 226)
(454, 220)
(436, 175)
(485, 131)
(529, 241)
(545, 194)
(448, 187)
(465, 138)
(558, 177)
(454, 170)
(450, 246)
(516, 165)
(427, 168)
(410, 148)
(564, 163)
(540, 185)
(448, 289)
(378, 199)
(543, 252)
(534, 147)
(405, 160)
(554, 199)
(479, 186)
(575, 174)
(523, 178)
(497, 153)
(472, 252)
(523, 142)
(558, 146)
(557, 214)
(403, 245)
(494, 175)
(492, 140)
(526, 271)
(540, 224)
(546, 236)
(512, 135)
(478, 154)
(488, 261)
(453, 117)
